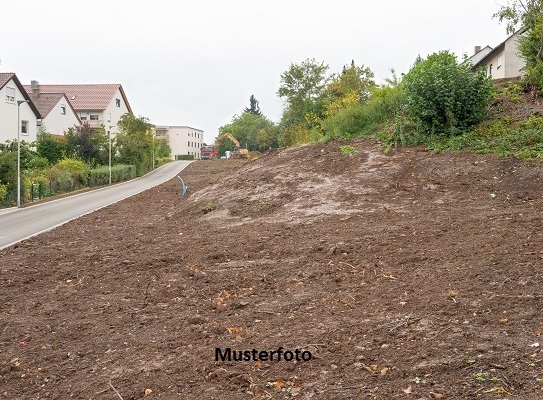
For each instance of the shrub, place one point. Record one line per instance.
(383, 105)
(162, 160)
(446, 97)
(120, 172)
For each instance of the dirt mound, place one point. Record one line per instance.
(411, 275)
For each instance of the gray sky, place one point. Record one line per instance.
(197, 63)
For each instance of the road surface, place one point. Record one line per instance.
(20, 224)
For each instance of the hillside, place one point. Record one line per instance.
(408, 275)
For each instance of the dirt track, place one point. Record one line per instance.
(412, 275)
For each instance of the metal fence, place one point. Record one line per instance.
(37, 191)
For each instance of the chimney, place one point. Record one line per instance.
(477, 49)
(35, 85)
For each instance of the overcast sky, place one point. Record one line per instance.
(197, 63)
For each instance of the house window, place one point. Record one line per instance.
(500, 62)
(188, 144)
(117, 102)
(94, 117)
(24, 127)
(108, 117)
(10, 95)
(83, 118)
(490, 69)
(63, 110)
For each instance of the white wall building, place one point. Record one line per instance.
(504, 60)
(56, 111)
(97, 104)
(13, 116)
(183, 140)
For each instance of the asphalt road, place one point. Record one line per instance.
(23, 223)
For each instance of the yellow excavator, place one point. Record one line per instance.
(237, 151)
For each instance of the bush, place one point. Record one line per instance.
(162, 160)
(120, 172)
(446, 97)
(184, 157)
(382, 106)
(68, 174)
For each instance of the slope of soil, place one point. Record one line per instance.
(412, 275)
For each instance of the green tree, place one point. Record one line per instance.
(87, 143)
(8, 161)
(254, 131)
(135, 142)
(253, 108)
(446, 97)
(351, 87)
(51, 148)
(301, 88)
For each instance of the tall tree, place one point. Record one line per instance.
(135, 142)
(302, 87)
(349, 88)
(87, 144)
(253, 108)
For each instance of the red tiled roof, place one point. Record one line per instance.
(5, 77)
(85, 97)
(45, 102)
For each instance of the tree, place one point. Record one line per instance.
(135, 142)
(446, 97)
(351, 87)
(254, 131)
(253, 108)
(51, 148)
(88, 144)
(302, 87)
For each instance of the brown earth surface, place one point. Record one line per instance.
(410, 276)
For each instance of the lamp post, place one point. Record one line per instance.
(19, 102)
(109, 134)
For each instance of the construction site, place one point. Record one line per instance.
(305, 274)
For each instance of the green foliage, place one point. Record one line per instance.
(120, 172)
(162, 149)
(302, 89)
(186, 157)
(87, 144)
(135, 143)
(8, 169)
(384, 105)
(50, 148)
(351, 87)
(68, 174)
(348, 150)
(446, 97)
(254, 131)
(527, 15)
(162, 160)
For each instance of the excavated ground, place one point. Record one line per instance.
(410, 275)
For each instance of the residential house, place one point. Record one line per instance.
(18, 114)
(183, 140)
(478, 55)
(97, 104)
(57, 113)
(504, 60)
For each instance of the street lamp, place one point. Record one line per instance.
(19, 102)
(109, 134)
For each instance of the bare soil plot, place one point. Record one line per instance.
(410, 275)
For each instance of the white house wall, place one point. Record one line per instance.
(8, 116)
(57, 123)
(184, 140)
(112, 114)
